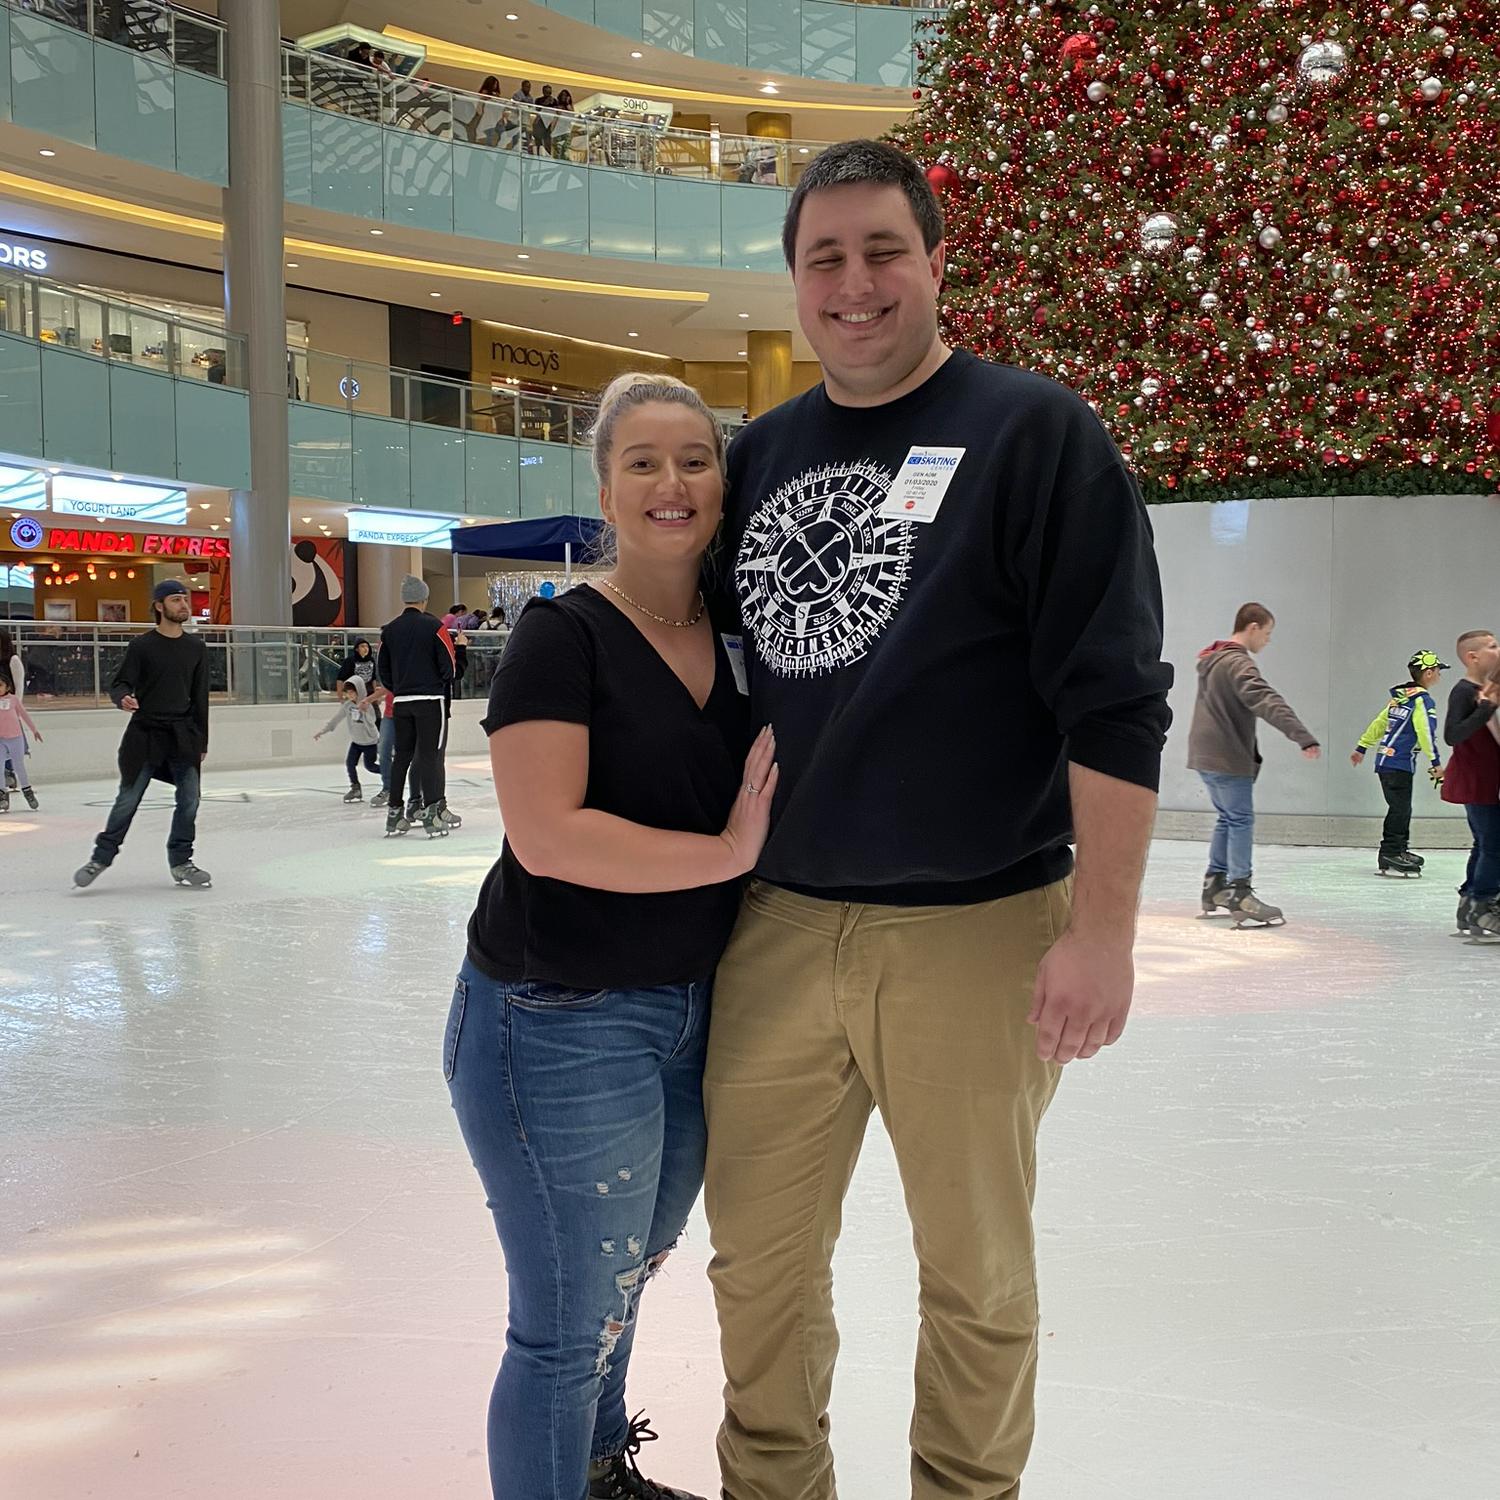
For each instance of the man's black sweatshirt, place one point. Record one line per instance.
(930, 681)
(414, 660)
(168, 676)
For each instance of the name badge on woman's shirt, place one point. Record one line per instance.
(919, 488)
(734, 649)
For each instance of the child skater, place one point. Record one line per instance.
(359, 718)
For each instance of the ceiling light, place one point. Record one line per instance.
(377, 231)
(434, 294)
(742, 354)
(769, 88)
(307, 520)
(45, 152)
(632, 335)
(636, 55)
(291, 265)
(204, 504)
(510, 15)
(523, 256)
(801, 150)
(744, 315)
(213, 525)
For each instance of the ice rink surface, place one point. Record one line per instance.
(243, 1253)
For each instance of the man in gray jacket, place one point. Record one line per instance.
(1232, 695)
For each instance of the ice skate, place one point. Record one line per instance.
(1399, 864)
(1484, 925)
(4, 802)
(187, 873)
(396, 824)
(619, 1478)
(354, 795)
(1215, 898)
(380, 799)
(1463, 922)
(30, 795)
(431, 819)
(449, 817)
(1248, 910)
(88, 874)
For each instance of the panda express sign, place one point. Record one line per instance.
(131, 543)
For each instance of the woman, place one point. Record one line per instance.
(563, 129)
(489, 115)
(575, 1041)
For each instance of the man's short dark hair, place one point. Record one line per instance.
(1252, 614)
(852, 162)
(1471, 635)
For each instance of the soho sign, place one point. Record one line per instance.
(21, 257)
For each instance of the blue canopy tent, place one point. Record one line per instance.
(546, 539)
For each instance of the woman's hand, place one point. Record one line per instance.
(750, 818)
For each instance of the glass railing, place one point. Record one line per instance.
(114, 328)
(177, 36)
(411, 396)
(433, 109)
(72, 665)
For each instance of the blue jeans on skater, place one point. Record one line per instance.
(583, 1113)
(184, 815)
(1233, 846)
(1482, 882)
(386, 751)
(355, 754)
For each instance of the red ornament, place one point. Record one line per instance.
(942, 177)
(1080, 47)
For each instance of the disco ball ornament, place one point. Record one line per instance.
(1432, 88)
(1208, 301)
(1277, 114)
(1269, 237)
(1265, 342)
(942, 177)
(1158, 234)
(1150, 386)
(1419, 13)
(1323, 63)
(1193, 254)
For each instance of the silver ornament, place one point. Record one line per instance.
(1150, 386)
(1419, 13)
(1432, 88)
(1097, 92)
(1158, 234)
(1193, 254)
(1265, 342)
(1276, 114)
(1323, 63)
(1269, 237)
(1208, 301)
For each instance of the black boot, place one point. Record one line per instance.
(618, 1478)
(1215, 892)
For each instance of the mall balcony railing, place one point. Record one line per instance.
(432, 109)
(114, 328)
(182, 37)
(71, 665)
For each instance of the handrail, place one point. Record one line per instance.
(438, 110)
(115, 328)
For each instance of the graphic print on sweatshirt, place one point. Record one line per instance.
(820, 574)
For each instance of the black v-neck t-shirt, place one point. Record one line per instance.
(655, 758)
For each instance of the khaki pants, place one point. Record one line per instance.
(821, 1010)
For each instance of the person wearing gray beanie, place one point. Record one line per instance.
(416, 663)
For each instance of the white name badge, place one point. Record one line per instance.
(920, 486)
(734, 649)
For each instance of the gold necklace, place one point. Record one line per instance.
(652, 614)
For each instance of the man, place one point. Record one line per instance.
(1473, 780)
(952, 616)
(1222, 749)
(416, 664)
(1401, 734)
(162, 683)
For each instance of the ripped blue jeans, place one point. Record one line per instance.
(583, 1113)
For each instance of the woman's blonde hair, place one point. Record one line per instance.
(627, 392)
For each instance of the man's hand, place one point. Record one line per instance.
(1312, 752)
(1357, 757)
(1490, 692)
(1436, 772)
(130, 703)
(1082, 997)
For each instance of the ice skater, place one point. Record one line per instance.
(1403, 733)
(901, 539)
(1222, 749)
(162, 683)
(363, 727)
(416, 664)
(574, 1048)
(14, 669)
(14, 721)
(1473, 780)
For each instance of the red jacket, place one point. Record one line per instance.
(1473, 774)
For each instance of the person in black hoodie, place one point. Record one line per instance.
(162, 683)
(416, 664)
(951, 612)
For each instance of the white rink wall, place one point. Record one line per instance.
(1357, 583)
(81, 744)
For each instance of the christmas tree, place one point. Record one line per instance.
(1259, 238)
